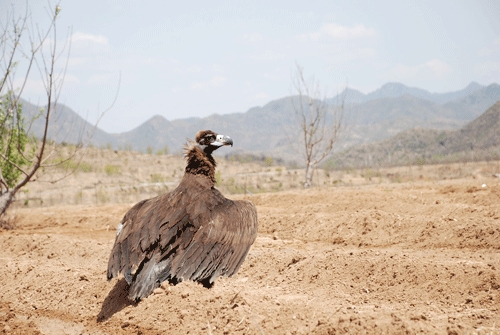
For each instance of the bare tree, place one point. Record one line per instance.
(320, 124)
(29, 51)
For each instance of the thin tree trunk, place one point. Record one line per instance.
(5, 200)
(309, 172)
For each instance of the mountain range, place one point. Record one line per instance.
(394, 90)
(271, 129)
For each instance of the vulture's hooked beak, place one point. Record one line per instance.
(221, 140)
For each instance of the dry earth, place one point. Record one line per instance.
(385, 258)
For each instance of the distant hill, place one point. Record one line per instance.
(65, 125)
(472, 105)
(479, 139)
(481, 134)
(155, 133)
(271, 129)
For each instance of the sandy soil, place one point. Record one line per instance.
(396, 258)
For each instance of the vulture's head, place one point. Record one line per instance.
(210, 141)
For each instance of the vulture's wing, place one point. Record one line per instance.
(182, 235)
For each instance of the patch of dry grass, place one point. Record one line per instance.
(111, 176)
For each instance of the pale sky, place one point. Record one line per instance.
(196, 58)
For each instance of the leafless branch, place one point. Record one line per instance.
(320, 125)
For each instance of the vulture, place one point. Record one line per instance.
(191, 233)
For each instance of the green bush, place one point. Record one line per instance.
(16, 146)
(112, 170)
(157, 178)
(71, 165)
(163, 151)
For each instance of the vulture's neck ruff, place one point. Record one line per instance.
(200, 161)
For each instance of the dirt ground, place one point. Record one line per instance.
(388, 258)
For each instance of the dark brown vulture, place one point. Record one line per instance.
(192, 233)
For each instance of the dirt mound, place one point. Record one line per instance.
(419, 257)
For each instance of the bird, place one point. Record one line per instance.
(191, 233)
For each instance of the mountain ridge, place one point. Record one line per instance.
(270, 129)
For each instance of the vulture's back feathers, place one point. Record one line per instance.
(191, 233)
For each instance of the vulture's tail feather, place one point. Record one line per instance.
(146, 280)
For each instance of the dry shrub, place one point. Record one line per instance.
(8, 222)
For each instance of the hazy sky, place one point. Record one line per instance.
(196, 58)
